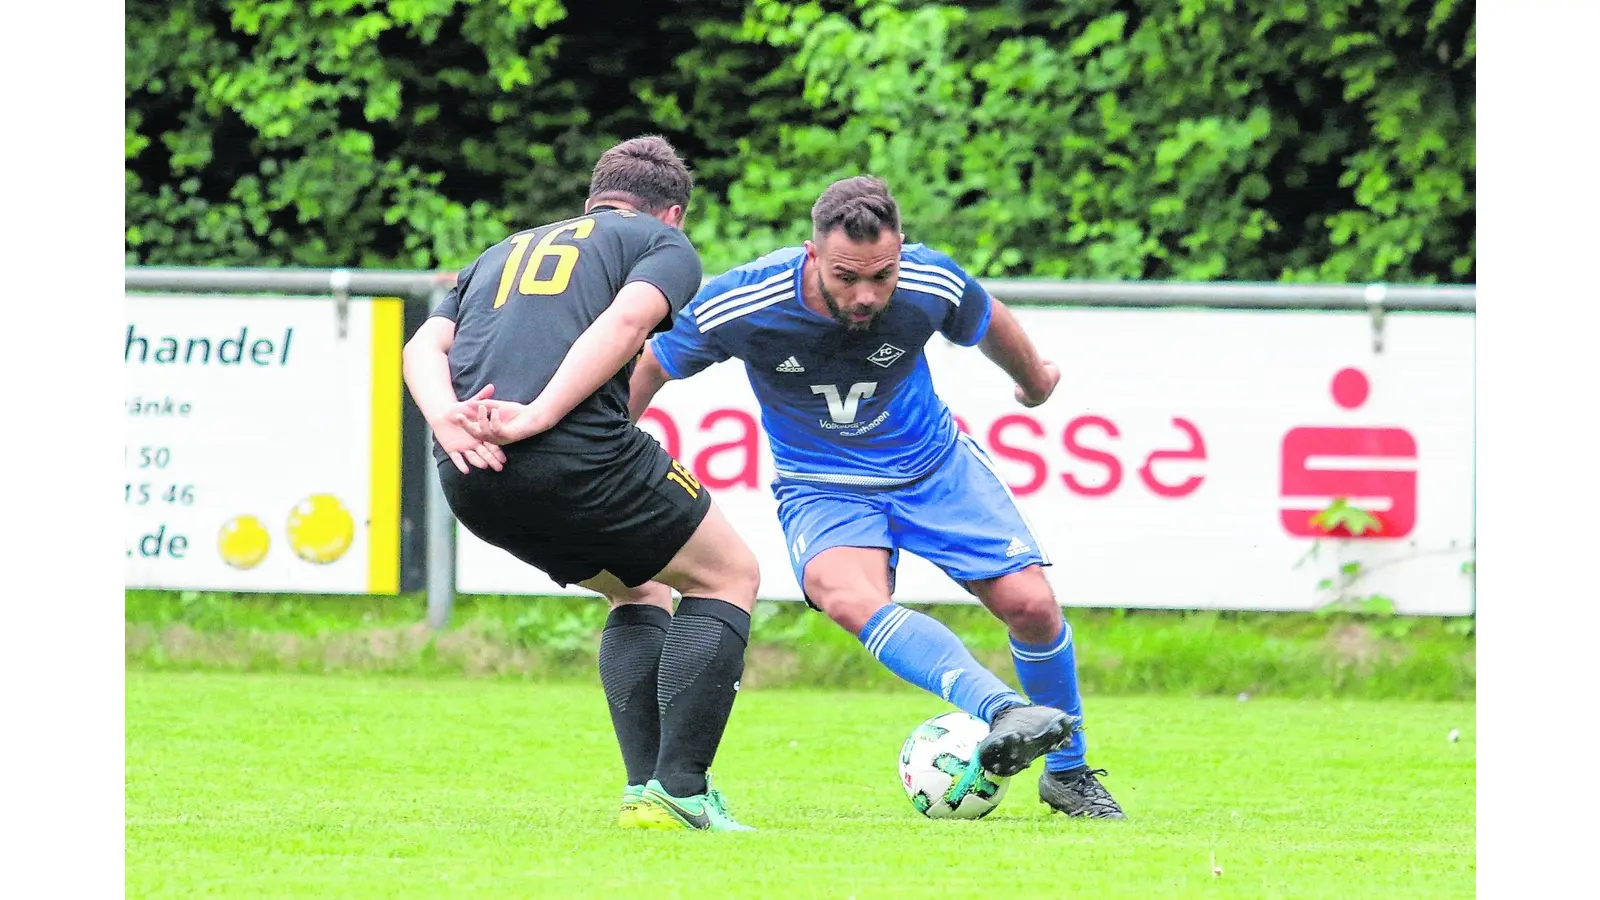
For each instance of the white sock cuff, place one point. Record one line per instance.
(1027, 653)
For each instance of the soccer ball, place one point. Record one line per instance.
(939, 769)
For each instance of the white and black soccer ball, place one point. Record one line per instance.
(939, 769)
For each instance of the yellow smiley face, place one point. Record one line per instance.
(320, 528)
(243, 541)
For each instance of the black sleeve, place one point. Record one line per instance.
(450, 306)
(673, 266)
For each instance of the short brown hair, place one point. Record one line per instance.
(860, 205)
(645, 172)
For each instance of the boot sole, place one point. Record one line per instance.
(1010, 753)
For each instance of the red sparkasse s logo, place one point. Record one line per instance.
(1371, 480)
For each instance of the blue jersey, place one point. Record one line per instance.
(839, 407)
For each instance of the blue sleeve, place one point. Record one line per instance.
(684, 350)
(967, 322)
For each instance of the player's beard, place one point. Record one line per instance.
(843, 319)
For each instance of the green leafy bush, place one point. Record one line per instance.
(1106, 139)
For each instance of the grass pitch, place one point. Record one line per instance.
(322, 786)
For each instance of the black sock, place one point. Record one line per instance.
(700, 668)
(630, 653)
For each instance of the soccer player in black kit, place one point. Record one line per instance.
(540, 335)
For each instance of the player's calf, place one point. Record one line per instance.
(924, 652)
(702, 657)
(851, 585)
(630, 655)
(1041, 648)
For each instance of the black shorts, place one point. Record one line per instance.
(626, 508)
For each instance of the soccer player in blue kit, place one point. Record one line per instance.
(869, 463)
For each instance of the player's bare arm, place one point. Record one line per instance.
(1009, 347)
(425, 365)
(604, 347)
(648, 378)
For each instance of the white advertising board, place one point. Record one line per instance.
(1177, 466)
(263, 445)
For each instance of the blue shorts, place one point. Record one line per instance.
(962, 518)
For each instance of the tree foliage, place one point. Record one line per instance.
(1122, 139)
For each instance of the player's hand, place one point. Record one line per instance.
(476, 453)
(1042, 390)
(464, 449)
(503, 422)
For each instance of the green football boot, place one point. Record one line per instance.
(631, 797)
(701, 812)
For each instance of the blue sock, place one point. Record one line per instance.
(921, 650)
(1049, 673)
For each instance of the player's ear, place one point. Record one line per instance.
(811, 252)
(673, 215)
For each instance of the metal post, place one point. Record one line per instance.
(441, 527)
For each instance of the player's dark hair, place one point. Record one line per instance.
(645, 172)
(860, 205)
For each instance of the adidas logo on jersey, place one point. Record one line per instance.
(791, 365)
(1017, 548)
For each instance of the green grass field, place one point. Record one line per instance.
(323, 786)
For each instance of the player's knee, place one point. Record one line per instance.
(651, 593)
(749, 576)
(1037, 622)
(1031, 614)
(739, 578)
(849, 612)
(844, 597)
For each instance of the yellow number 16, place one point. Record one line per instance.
(566, 257)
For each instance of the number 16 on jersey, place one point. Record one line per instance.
(565, 255)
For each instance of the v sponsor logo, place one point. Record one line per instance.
(843, 409)
(790, 365)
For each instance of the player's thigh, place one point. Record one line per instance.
(965, 520)
(714, 562)
(816, 520)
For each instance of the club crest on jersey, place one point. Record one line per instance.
(886, 355)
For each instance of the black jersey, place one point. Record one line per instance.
(519, 307)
